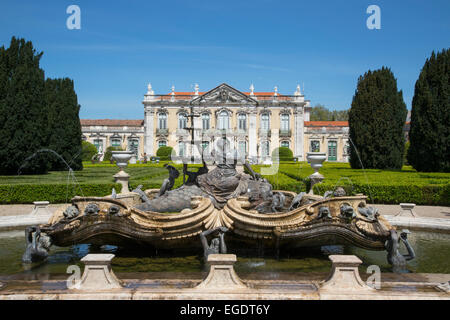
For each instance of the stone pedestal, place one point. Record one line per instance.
(407, 208)
(315, 178)
(344, 276)
(40, 208)
(98, 274)
(221, 274)
(122, 177)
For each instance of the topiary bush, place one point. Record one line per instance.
(284, 154)
(87, 150)
(108, 153)
(164, 153)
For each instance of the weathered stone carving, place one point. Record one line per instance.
(394, 257)
(217, 244)
(91, 209)
(71, 212)
(169, 182)
(38, 245)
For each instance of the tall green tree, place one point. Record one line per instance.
(430, 116)
(64, 121)
(23, 113)
(322, 113)
(376, 121)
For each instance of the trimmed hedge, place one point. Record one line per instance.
(55, 193)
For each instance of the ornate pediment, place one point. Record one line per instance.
(224, 94)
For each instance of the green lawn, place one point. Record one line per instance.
(383, 186)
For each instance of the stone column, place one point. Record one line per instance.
(149, 131)
(252, 135)
(298, 133)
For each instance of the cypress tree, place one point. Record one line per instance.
(23, 115)
(63, 118)
(376, 120)
(429, 135)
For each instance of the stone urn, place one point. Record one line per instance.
(122, 158)
(316, 160)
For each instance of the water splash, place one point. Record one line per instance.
(71, 178)
(364, 170)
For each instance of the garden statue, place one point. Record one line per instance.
(217, 244)
(38, 245)
(169, 182)
(192, 176)
(394, 257)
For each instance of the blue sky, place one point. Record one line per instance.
(325, 45)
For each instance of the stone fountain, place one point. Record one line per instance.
(244, 204)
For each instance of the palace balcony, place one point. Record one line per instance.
(285, 133)
(264, 132)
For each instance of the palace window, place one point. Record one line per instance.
(314, 146)
(181, 149)
(162, 143)
(115, 142)
(332, 150)
(285, 144)
(223, 120)
(265, 122)
(242, 148)
(285, 122)
(182, 121)
(162, 120)
(206, 121)
(242, 121)
(98, 143)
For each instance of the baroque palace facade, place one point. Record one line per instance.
(255, 123)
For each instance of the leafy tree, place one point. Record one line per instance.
(284, 154)
(321, 113)
(430, 116)
(376, 121)
(164, 153)
(23, 112)
(88, 150)
(64, 121)
(108, 153)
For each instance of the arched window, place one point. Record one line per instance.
(115, 142)
(162, 120)
(265, 122)
(314, 146)
(242, 121)
(162, 143)
(284, 122)
(285, 144)
(205, 121)
(223, 120)
(181, 149)
(182, 121)
(242, 148)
